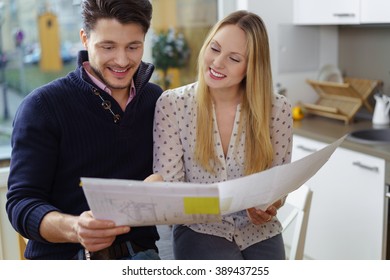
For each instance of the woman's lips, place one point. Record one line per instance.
(216, 75)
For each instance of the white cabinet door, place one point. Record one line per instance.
(375, 11)
(347, 218)
(303, 146)
(324, 12)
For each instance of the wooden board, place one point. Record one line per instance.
(321, 108)
(342, 100)
(365, 88)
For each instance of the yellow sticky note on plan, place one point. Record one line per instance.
(201, 205)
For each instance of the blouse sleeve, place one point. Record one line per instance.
(168, 151)
(282, 130)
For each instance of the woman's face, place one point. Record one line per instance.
(225, 58)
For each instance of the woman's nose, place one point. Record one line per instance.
(218, 61)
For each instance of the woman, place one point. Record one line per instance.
(227, 125)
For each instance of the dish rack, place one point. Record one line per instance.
(342, 100)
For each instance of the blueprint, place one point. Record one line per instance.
(139, 203)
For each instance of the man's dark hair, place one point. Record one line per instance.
(124, 11)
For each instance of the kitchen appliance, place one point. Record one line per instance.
(381, 112)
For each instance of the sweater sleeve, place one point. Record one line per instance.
(33, 163)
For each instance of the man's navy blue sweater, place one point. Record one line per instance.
(61, 133)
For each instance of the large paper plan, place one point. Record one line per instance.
(138, 203)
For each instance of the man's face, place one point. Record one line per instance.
(115, 52)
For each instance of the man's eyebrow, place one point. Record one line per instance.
(113, 42)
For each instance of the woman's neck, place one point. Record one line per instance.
(226, 96)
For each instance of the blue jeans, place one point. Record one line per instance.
(191, 245)
(149, 254)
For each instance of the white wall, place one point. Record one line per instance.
(227, 6)
(278, 16)
(364, 53)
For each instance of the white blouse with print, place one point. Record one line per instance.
(174, 143)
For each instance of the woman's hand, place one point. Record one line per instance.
(154, 178)
(259, 217)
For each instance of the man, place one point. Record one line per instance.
(95, 122)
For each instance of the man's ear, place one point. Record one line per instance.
(84, 38)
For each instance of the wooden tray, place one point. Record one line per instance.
(342, 100)
(365, 88)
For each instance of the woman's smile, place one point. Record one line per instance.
(216, 75)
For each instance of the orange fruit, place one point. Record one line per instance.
(297, 113)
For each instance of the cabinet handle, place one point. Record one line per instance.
(310, 150)
(344, 15)
(371, 168)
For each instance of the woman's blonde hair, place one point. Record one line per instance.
(257, 99)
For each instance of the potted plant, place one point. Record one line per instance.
(169, 50)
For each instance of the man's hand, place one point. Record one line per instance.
(95, 234)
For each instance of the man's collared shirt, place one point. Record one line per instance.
(103, 86)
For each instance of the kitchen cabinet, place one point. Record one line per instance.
(348, 216)
(320, 12)
(343, 12)
(374, 11)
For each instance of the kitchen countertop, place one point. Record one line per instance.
(328, 130)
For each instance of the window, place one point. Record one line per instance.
(190, 18)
